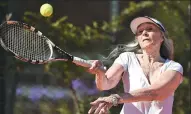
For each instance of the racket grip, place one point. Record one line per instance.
(85, 63)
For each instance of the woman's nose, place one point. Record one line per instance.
(145, 33)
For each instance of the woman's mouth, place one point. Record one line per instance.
(146, 39)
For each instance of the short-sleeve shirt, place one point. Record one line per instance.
(134, 78)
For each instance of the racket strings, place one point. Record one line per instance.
(25, 43)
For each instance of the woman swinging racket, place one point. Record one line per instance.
(150, 78)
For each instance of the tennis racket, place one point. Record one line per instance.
(28, 44)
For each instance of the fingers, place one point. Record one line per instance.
(104, 110)
(95, 108)
(101, 105)
(95, 64)
(94, 69)
(95, 104)
(101, 108)
(109, 105)
(91, 110)
(100, 99)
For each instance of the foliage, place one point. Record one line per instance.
(182, 98)
(98, 36)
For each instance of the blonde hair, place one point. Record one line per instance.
(166, 49)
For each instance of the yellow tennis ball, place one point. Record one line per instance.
(46, 10)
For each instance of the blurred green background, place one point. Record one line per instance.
(88, 29)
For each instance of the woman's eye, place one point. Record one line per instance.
(150, 29)
(140, 31)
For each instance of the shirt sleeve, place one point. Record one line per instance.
(176, 66)
(123, 59)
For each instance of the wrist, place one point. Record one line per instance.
(115, 99)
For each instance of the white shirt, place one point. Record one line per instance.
(134, 79)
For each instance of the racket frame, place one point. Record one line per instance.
(52, 46)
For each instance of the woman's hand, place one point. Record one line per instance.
(95, 68)
(103, 104)
(100, 108)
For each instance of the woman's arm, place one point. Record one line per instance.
(106, 80)
(160, 90)
(110, 79)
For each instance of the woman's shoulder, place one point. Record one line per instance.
(171, 64)
(130, 55)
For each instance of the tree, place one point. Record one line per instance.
(78, 41)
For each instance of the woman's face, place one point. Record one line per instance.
(149, 35)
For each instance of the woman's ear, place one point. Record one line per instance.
(163, 37)
(170, 41)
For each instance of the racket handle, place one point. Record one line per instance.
(85, 63)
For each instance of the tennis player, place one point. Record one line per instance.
(150, 78)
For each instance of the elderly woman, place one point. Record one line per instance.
(150, 78)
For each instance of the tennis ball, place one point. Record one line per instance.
(46, 10)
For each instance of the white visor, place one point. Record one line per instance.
(139, 20)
